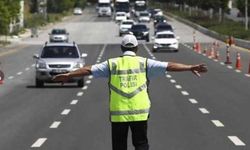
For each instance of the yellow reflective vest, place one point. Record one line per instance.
(129, 100)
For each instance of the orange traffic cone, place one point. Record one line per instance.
(228, 61)
(238, 62)
(249, 68)
(1, 77)
(195, 46)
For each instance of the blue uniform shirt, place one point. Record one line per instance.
(154, 67)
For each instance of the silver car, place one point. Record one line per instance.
(58, 58)
(59, 35)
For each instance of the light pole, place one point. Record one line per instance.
(246, 14)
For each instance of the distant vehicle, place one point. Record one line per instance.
(156, 12)
(58, 58)
(125, 26)
(140, 6)
(59, 35)
(159, 19)
(141, 31)
(122, 6)
(104, 8)
(77, 11)
(163, 27)
(120, 16)
(144, 17)
(165, 40)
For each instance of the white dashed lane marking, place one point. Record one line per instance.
(33, 65)
(238, 71)
(27, 69)
(236, 141)
(85, 87)
(74, 102)
(19, 73)
(178, 86)
(55, 125)
(79, 94)
(247, 75)
(184, 93)
(90, 77)
(204, 110)
(65, 112)
(217, 123)
(229, 67)
(88, 81)
(39, 142)
(10, 77)
(222, 63)
(172, 81)
(193, 101)
(168, 76)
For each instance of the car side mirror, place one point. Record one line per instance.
(36, 56)
(84, 55)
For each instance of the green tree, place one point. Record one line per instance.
(241, 6)
(4, 19)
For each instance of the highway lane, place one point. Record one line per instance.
(176, 122)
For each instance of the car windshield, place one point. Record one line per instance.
(120, 14)
(140, 27)
(164, 27)
(59, 52)
(165, 36)
(159, 18)
(127, 23)
(144, 14)
(58, 31)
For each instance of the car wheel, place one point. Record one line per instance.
(80, 83)
(39, 83)
(147, 38)
(176, 50)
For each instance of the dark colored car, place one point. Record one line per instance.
(140, 31)
(163, 27)
(159, 19)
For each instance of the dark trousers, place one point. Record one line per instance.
(120, 135)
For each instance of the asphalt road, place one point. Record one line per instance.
(188, 113)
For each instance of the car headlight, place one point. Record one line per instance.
(157, 45)
(41, 65)
(78, 65)
(164, 21)
(145, 33)
(174, 43)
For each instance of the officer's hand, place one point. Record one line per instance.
(61, 78)
(200, 68)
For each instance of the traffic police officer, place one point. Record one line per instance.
(128, 83)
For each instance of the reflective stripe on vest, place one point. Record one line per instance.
(129, 100)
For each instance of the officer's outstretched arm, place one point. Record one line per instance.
(196, 69)
(77, 73)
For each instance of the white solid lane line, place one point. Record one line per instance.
(236, 141)
(204, 110)
(79, 94)
(172, 81)
(193, 101)
(217, 123)
(178, 86)
(65, 112)
(184, 93)
(39, 142)
(73, 102)
(55, 124)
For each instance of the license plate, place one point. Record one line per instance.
(59, 71)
